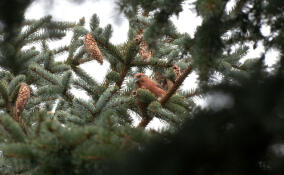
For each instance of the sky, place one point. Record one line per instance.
(64, 10)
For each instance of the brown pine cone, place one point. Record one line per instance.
(177, 70)
(139, 36)
(92, 48)
(22, 99)
(144, 51)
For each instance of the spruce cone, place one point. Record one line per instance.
(22, 99)
(139, 37)
(92, 48)
(177, 70)
(144, 51)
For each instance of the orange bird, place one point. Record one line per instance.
(142, 81)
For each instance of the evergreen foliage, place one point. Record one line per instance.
(60, 133)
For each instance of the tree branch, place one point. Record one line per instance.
(176, 85)
(151, 63)
(145, 117)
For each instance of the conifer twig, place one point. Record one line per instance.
(93, 113)
(111, 48)
(192, 94)
(60, 50)
(176, 85)
(151, 63)
(84, 60)
(44, 77)
(144, 122)
(104, 104)
(145, 117)
(122, 75)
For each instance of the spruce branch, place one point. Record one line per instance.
(192, 94)
(144, 122)
(145, 117)
(35, 101)
(4, 92)
(129, 56)
(80, 54)
(82, 61)
(69, 97)
(176, 85)
(28, 56)
(85, 105)
(85, 137)
(60, 50)
(143, 98)
(39, 122)
(88, 81)
(110, 48)
(104, 99)
(153, 62)
(238, 67)
(44, 74)
(13, 128)
(123, 74)
(32, 29)
(65, 82)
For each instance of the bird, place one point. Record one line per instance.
(143, 81)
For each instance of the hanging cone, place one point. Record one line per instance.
(139, 36)
(177, 70)
(144, 51)
(92, 48)
(22, 99)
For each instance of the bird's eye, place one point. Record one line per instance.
(139, 76)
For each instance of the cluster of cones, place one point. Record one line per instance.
(144, 51)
